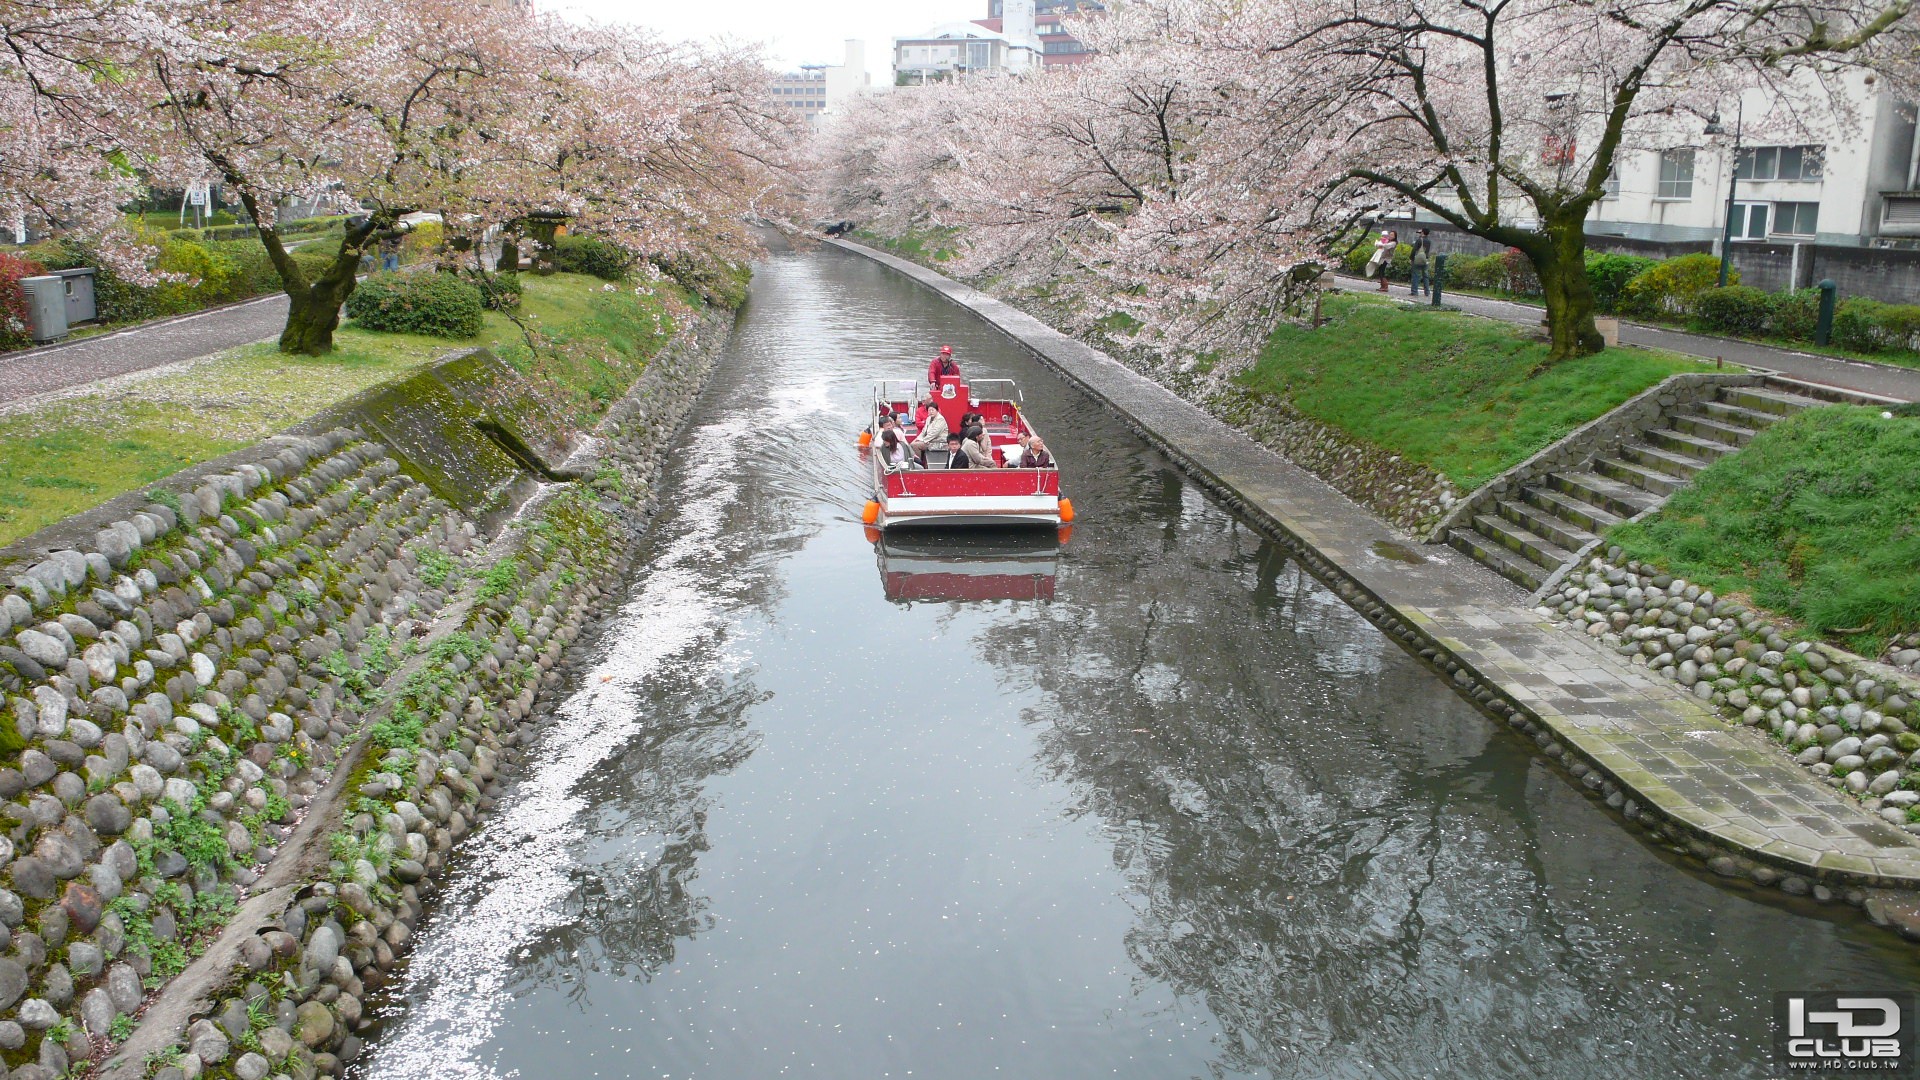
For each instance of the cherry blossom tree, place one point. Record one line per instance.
(1195, 169)
(63, 162)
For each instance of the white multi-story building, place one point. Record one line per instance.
(1852, 184)
(960, 48)
(819, 90)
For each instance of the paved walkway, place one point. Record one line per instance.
(136, 348)
(1883, 379)
(1665, 748)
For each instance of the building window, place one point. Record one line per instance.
(1781, 163)
(1610, 187)
(1796, 218)
(1750, 221)
(1057, 48)
(1676, 174)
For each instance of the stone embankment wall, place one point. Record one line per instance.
(249, 718)
(1848, 720)
(1406, 494)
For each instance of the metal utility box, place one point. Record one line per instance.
(80, 305)
(46, 306)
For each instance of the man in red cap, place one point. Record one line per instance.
(942, 365)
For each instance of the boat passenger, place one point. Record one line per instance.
(978, 447)
(894, 455)
(942, 365)
(1017, 455)
(956, 454)
(921, 410)
(1037, 456)
(933, 433)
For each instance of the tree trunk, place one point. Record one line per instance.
(315, 311)
(1559, 258)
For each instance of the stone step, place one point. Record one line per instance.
(1562, 532)
(1729, 413)
(1704, 450)
(1522, 572)
(1521, 541)
(1608, 494)
(1706, 427)
(1821, 394)
(1765, 399)
(1626, 472)
(1648, 456)
(1567, 507)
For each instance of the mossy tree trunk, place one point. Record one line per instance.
(1559, 256)
(313, 313)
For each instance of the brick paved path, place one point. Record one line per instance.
(1666, 748)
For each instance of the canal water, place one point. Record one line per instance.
(809, 813)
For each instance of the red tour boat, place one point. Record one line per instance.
(936, 496)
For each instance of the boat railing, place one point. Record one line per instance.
(1012, 390)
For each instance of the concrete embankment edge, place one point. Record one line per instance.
(1344, 546)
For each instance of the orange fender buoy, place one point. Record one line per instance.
(872, 512)
(1066, 511)
(866, 439)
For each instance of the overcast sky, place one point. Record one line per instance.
(794, 31)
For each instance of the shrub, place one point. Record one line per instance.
(1520, 278)
(425, 239)
(1607, 276)
(1796, 313)
(14, 332)
(1856, 324)
(194, 276)
(500, 292)
(1898, 325)
(578, 254)
(1671, 286)
(438, 304)
(1736, 309)
(1476, 271)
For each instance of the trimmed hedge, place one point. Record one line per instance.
(1608, 276)
(1737, 309)
(437, 304)
(581, 254)
(1671, 286)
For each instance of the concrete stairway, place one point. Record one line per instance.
(1527, 539)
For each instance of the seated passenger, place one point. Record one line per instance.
(921, 410)
(942, 365)
(894, 455)
(1017, 455)
(978, 448)
(1037, 456)
(956, 455)
(933, 433)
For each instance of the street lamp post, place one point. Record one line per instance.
(1733, 183)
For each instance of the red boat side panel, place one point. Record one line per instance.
(952, 483)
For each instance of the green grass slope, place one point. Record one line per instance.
(1458, 394)
(1817, 519)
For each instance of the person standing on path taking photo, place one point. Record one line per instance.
(1418, 277)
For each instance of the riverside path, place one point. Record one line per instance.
(1155, 804)
(1886, 380)
(136, 348)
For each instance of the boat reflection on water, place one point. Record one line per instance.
(975, 564)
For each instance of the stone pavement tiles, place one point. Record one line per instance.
(1666, 749)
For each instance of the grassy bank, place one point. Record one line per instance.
(1457, 394)
(60, 459)
(1818, 519)
(925, 247)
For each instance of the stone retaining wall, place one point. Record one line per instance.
(1606, 432)
(1847, 719)
(275, 697)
